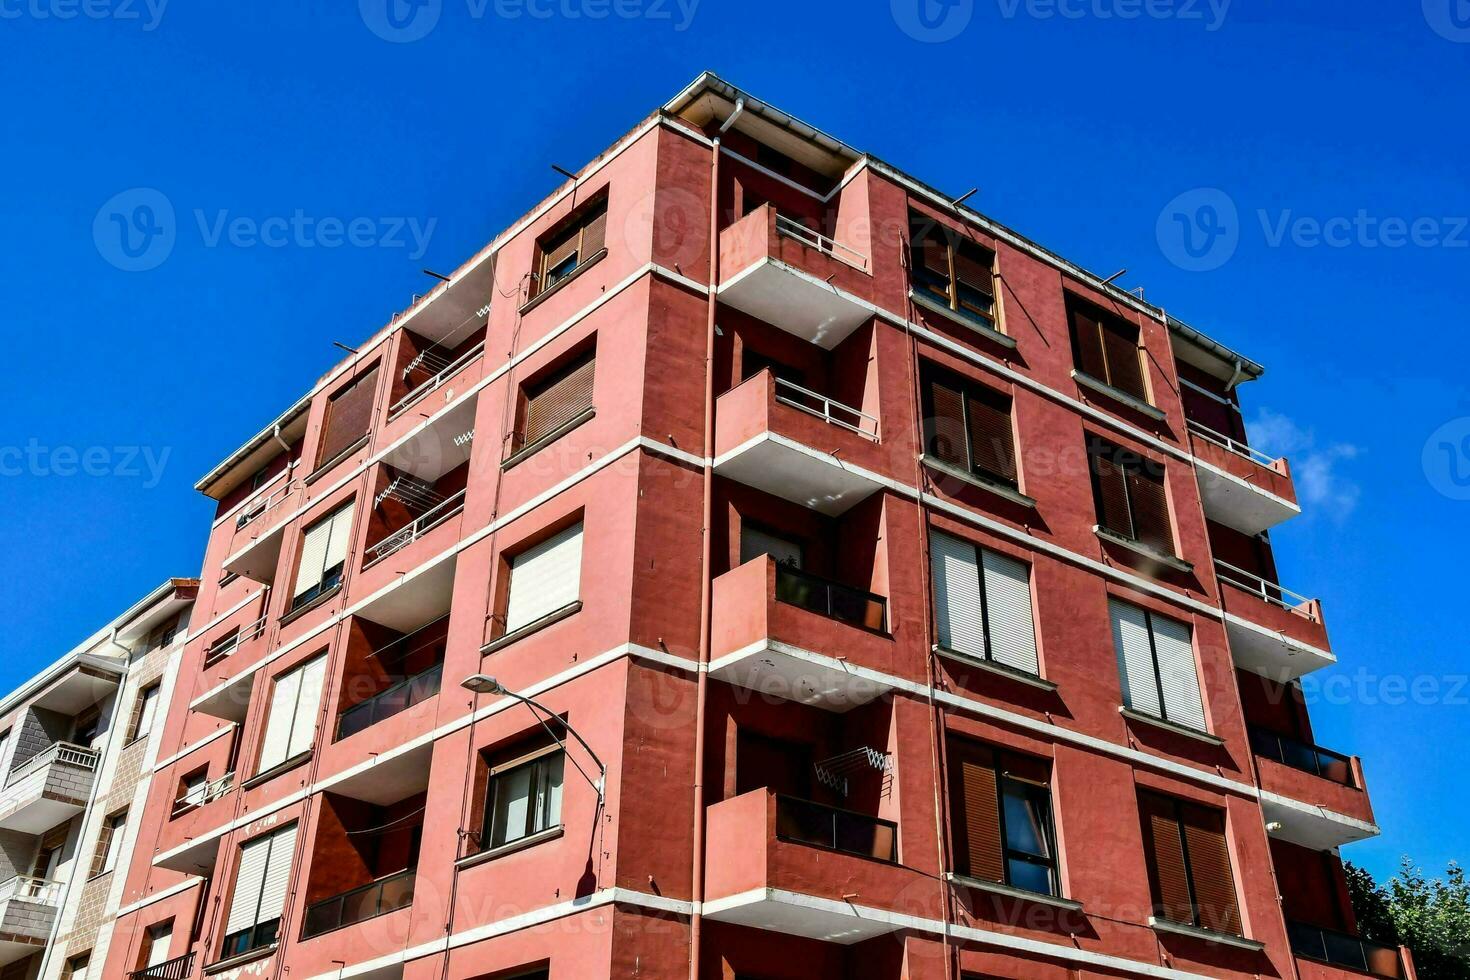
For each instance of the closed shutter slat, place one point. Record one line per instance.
(349, 414)
(1150, 507)
(1178, 675)
(972, 266)
(338, 538)
(1164, 850)
(1087, 346)
(957, 608)
(991, 439)
(544, 578)
(976, 812)
(560, 401)
(313, 554)
(276, 746)
(1110, 487)
(1135, 658)
(1008, 607)
(277, 875)
(1120, 348)
(946, 428)
(249, 876)
(594, 234)
(1209, 868)
(308, 703)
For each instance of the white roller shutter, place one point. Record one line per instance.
(544, 578)
(957, 608)
(1008, 609)
(249, 877)
(1177, 674)
(313, 553)
(338, 539)
(1135, 658)
(275, 748)
(277, 875)
(308, 703)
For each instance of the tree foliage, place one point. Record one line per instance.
(1431, 917)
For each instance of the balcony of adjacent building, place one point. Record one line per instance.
(48, 788)
(801, 615)
(794, 269)
(1273, 630)
(28, 908)
(803, 423)
(1311, 796)
(1240, 486)
(805, 836)
(363, 868)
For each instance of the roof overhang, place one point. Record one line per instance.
(261, 449)
(1211, 356)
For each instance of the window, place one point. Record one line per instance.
(323, 557)
(1002, 818)
(109, 844)
(544, 579)
(349, 416)
(291, 727)
(523, 798)
(144, 711)
(1189, 863)
(261, 878)
(159, 938)
(570, 246)
(756, 541)
(192, 789)
(76, 966)
(1105, 346)
(982, 603)
(555, 402)
(969, 427)
(1156, 663)
(1128, 492)
(163, 634)
(88, 727)
(952, 270)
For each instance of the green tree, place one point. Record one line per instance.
(1431, 917)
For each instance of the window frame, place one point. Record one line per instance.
(1105, 320)
(495, 775)
(986, 622)
(922, 230)
(1131, 466)
(968, 391)
(547, 245)
(1158, 673)
(369, 377)
(336, 572)
(261, 769)
(521, 445)
(1003, 779)
(136, 731)
(271, 928)
(109, 843)
(1178, 806)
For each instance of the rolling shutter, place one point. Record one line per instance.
(349, 415)
(1150, 506)
(313, 557)
(338, 539)
(1110, 487)
(1178, 677)
(1087, 345)
(1135, 658)
(276, 746)
(957, 603)
(249, 876)
(1209, 868)
(308, 703)
(1120, 349)
(277, 875)
(544, 578)
(991, 439)
(972, 267)
(1164, 850)
(558, 402)
(594, 233)
(975, 809)
(1008, 611)
(946, 425)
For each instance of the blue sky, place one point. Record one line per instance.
(1313, 154)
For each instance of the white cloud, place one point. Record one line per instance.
(1321, 484)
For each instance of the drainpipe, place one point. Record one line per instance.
(1237, 376)
(706, 586)
(276, 435)
(725, 126)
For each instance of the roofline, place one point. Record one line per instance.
(254, 443)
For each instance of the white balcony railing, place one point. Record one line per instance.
(794, 229)
(1230, 445)
(406, 536)
(62, 753)
(437, 381)
(28, 889)
(204, 793)
(262, 504)
(1267, 590)
(229, 644)
(832, 412)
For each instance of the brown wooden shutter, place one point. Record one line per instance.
(1087, 345)
(594, 233)
(1209, 868)
(974, 269)
(558, 402)
(349, 415)
(975, 812)
(931, 253)
(991, 439)
(947, 425)
(1164, 851)
(1150, 506)
(1109, 484)
(1120, 349)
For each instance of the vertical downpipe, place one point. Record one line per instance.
(706, 561)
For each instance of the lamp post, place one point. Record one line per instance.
(485, 684)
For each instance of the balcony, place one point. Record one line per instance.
(1273, 631)
(234, 640)
(49, 788)
(778, 270)
(1240, 486)
(360, 904)
(445, 369)
(785, 865)
(260, 529)
(385, 704)
(1329, 952)
(1311, 796)
(178, 968)
(796, 444)
(394, 542)
(793, 635)
(203, 795)
(27, 912)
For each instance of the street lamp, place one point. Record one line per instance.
(485, 684)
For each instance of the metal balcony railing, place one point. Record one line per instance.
(178, 968)
(436, 382)
(831, 599)
(205, 793)
(794, 229)
(406, 536)
(1340, 949)
(1299, 755)
(1228, 444)
(27, 889)
(379, 898)
(804, 822)
(824, 408)
(1266, 590)
(227, 645)
(62, 753)
(385, 704)
(262, 504)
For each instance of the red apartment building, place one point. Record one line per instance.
(879, 595)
